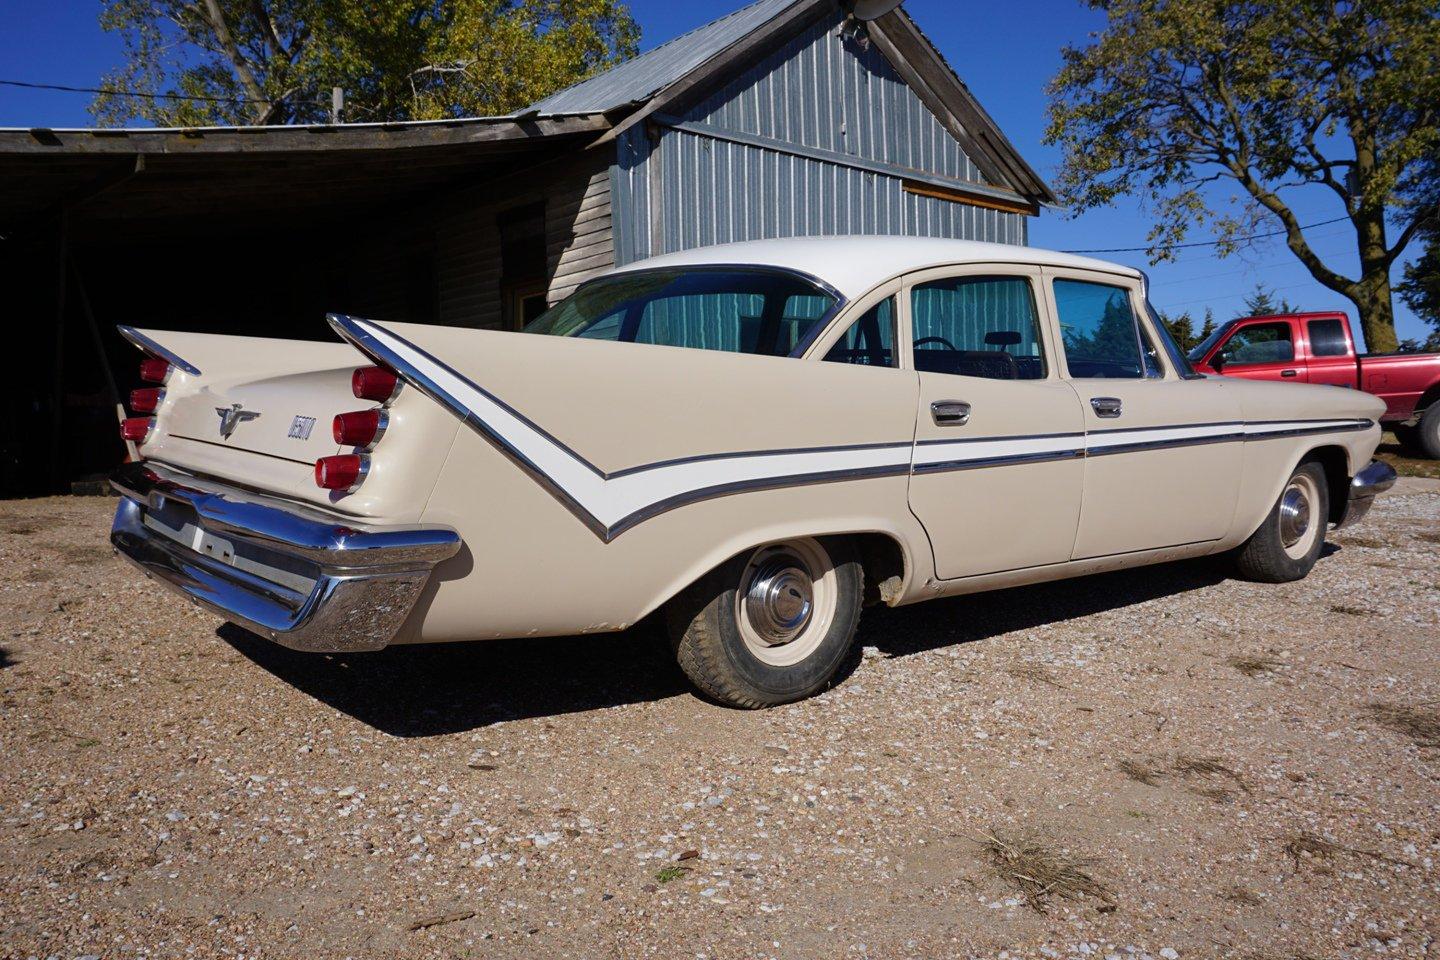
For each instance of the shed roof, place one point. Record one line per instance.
(640, 78)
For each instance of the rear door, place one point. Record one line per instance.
(1329, 352)
(998, 434)
(1163, 454)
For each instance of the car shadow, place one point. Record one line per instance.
(430, 689)
(433, 689)
(902, 631)
(5, 658)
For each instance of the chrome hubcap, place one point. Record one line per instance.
(1294, 514)
(779, 599)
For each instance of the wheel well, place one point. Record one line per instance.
(884, 563)
(1336, 463)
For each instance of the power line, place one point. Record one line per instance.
(126, 93)
(1204, 243)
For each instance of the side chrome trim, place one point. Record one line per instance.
(154, 349)
(345, 585)
(609, 503)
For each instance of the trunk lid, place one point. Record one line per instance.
(285, 416)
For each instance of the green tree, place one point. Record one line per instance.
(1208, 327)
(1278, 96)
(1420, 289)
(275, 61)
(1262, 303)
(1181, 327)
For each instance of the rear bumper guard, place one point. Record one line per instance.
(302, 578)
(1369, 483)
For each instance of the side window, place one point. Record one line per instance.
(1259, 343)
(1327, 338)
(977, 327)
(870, 341)
(1098, 330)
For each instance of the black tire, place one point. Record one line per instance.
(1427, 432)
(1408, 436)
(728, 629)
(1280, 551)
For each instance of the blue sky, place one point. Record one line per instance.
(1005, 52)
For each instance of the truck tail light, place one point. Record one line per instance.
(362, 428)
(154, 370)
(344, 472)
(374, 383)
(146, 399)
(136, 429)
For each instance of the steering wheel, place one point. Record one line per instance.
(925, 340)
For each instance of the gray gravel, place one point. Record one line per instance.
(168, 790)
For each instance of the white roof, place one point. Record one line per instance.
(854, 265)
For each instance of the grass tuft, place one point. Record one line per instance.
(1350, 611)
(1041, 872)
(1252, 665)
(1036, 672)
(1421, 724)
(1141, 771)
(670, 872)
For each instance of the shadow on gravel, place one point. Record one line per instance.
(979, 616)
(432, 689)
(5, 658)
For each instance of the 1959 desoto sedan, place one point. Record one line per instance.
(752, 441)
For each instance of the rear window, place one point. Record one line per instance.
(736, 310)
(1327, 338)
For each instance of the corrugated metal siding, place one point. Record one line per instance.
(818, 91)
(639, 78)
(822, 90)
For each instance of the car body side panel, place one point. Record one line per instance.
(535, 563)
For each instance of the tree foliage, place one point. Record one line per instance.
(1261, 302)
(1273, 96)
(275, 61)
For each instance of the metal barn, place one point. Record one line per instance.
(788, 117)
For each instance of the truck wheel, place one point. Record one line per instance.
(1288, 543)
(1427, 432)
(771, 625)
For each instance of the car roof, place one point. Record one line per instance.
(854, 265)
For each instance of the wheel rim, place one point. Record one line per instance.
(785, 601)
(1298, 522)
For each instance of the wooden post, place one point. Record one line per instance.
(57, 397)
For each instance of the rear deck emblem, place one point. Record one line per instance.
(232, 416)
(300, 427)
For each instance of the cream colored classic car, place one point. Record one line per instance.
(753, 441)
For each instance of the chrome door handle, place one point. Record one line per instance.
(1107, 407)
(950, 413)
(1287, 373)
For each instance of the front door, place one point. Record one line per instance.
(998, 435)
(1162, 454)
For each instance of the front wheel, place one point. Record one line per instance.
(1288, 543)
(1426, 440)
(771, 625)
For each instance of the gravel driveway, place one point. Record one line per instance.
(1162, 762)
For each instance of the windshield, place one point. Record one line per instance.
(1203, 347)
(735, 309)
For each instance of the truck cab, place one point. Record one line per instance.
(1320, 348)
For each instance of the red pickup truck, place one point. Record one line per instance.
(1319, 348)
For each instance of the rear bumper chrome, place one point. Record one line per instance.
(1364, 488)
(306, 580)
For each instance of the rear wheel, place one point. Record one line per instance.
(771, 625)
(1288, 543)
(1427, 433)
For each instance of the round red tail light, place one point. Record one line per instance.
(359, 429)
(374, 383)
(341, 473)
(145, 400)
(154, 370)
(136, 429)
